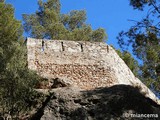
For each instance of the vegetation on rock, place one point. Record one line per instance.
(16, 81)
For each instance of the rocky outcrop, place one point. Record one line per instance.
(118, 102)
(87, 81)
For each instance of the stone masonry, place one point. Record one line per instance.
(87, 64)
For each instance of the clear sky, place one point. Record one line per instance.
(112, 15)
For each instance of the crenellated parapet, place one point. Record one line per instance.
(87, 64)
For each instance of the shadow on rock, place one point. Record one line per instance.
(118, 102)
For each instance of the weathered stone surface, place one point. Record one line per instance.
(112, 103)
(61, 82)
(88, 65)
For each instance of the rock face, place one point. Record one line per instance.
(88, 65)
(118, 102)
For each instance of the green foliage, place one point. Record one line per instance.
(16, 81)
(130, 61)
(49, 23)
(144, 37)
(139, 4)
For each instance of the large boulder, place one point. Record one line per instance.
(118, 102)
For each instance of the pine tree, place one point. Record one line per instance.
(49, 23)
(144, 37)
(16, 81)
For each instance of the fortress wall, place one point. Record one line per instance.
(77, 61)
(87, 64)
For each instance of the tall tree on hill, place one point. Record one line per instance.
(49, 23)
(16, 81)
(144, 37)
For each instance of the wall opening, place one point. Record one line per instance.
(42, 46)
(62, 46)
(81, 47)
(107, 49)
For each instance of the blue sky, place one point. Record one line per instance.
(112, 15)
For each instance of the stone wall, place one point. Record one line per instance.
(87, 64)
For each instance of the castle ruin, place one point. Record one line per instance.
(88, 65)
